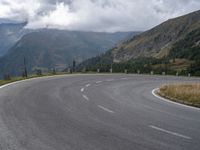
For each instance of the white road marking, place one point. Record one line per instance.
(1, 87)
(106, 109)
(124, 78)
(170, 132)
(109, 80)
(85, 97)
(88, 85)
(82, 89)
(99, 82)
(16, 82)
(169, 101)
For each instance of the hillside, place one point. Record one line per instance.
(158, 41)
(171, 46)
(46, 49)
(188, 48)
(10, 34)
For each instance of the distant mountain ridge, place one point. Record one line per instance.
(10, 34)
(48, 48)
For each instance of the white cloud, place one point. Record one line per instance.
(19, 9)
(61, 17)
(95, 15)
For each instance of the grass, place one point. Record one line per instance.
(183, 93)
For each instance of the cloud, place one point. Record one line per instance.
(60, 17)
(95, 15)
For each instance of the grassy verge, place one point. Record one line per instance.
(14, 79)
(188, 94)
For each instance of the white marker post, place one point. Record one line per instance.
(84, 70)
(111, 70)
(126, 71)
(69, 70)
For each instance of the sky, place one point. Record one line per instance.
(94, 15)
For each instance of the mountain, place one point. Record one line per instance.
(10, 34)
(158, 41)
(188, 49)
(172, 45)
(47, 48)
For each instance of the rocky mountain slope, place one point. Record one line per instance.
(158, 41)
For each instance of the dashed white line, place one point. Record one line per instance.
(106, 109)
(109, 80)
(82, 89)
(124, 78)
(170, 132)
(99, 82)
(87, 85)
(85, 97)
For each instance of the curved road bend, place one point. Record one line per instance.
(95, 112)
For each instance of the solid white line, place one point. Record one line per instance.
(15, 82)
(170, 132)
(30, 79)
(169, 101)
(82, 89)
(88, 85)
(85, 97)
(98, 82)
(1, 87)
(106, 109)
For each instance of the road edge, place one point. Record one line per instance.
(53, 76)
(30, 79)
(170, 101)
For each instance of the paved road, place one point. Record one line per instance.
(95, 112)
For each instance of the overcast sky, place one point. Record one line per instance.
(94, 15)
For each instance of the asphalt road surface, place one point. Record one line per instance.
(95, 112)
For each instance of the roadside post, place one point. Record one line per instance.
(84, 70)
(111, 70)
(68, 70)
(126, 71)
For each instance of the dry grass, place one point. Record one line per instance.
(184, 93)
